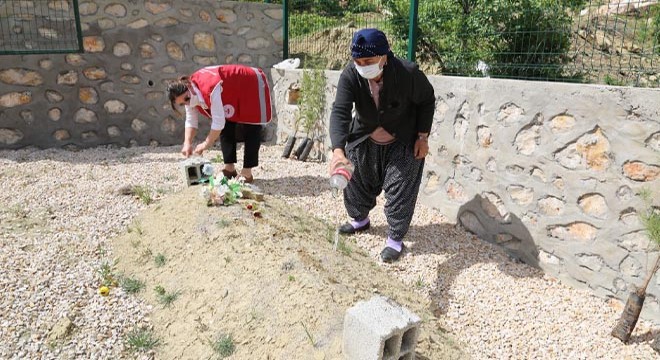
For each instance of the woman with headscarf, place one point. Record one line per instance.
(385, 138)
(228, 95)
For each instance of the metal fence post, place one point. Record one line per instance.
(76, 14)
(412, 31)
(285, 29)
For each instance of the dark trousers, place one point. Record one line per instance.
(391, 168)
(251, 138)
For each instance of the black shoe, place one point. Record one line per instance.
(229, 174)
(389, 255)
(349, 229)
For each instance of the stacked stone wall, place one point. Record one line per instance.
(549, 171)
(113, 93)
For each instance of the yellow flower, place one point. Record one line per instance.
(104, 291)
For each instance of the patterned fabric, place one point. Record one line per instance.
(390, 168)
(369, 43)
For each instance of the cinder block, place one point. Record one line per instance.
(380, 329)
(192, 170)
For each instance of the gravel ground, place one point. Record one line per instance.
(58, 210)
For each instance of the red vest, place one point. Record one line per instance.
(245, 92)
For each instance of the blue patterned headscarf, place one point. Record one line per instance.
(368, 43)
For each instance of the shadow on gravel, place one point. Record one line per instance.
(643, 338)
(462, 251)
(294, 186)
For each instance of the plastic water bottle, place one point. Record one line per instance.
(339, 179)
(341, 176)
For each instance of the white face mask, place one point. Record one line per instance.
(369, 71)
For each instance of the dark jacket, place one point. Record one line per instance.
(407, 104)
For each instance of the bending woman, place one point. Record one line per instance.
(228, 95)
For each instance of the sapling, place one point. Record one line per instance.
(626, 324)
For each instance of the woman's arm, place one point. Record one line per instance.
(191, 130)
(217, 120)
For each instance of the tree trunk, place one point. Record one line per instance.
(626, 324)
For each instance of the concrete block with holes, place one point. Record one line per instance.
(380, 329)
(192, 169)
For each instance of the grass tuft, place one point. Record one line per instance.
(160, 260)
(164, 297)
(419, 283)
(141, 340)
(218, 159)
(343, 247)
(143, 193)
(107, 273)
(223, 346)
(131, 285)
(136, 227)
(309, 335)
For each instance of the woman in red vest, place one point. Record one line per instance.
(228, 95)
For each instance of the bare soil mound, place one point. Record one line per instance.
(273, 282)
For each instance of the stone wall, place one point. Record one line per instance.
(549, 171)
(113, 93)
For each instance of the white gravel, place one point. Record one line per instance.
(58, 210)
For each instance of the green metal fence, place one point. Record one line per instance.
(595, 41)
(39, 26)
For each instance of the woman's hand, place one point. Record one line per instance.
(421, 146)
(199, 149)
(186, 149)
(338, 157)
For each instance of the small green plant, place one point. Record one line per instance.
(292, 278)
(610, 80)
(343, 247)
(309, 335)
(159, 260)
(218, 159)
(136, 227)
(650, 217)
(106, 273)
(101, 251)
(143, 193)
(227, 259)
(311, 103)
(141, 340)
(223, 346)
(222, 223)
(164, 297)
(131, 285)
(419, 283)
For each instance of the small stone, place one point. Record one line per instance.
(60, 330)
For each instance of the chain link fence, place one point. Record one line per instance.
(39, 27)
(614, 42)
